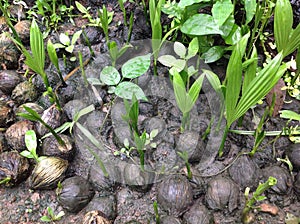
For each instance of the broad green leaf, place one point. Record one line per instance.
(294, 42)
(213, 54)
(58, 45)
(227, 26)
(184, 3)
(288, 114)
(195, 89)
(180, 49)
(167, 60)
(59, 215)
(136, 67)
(26, 154)
(76, 36)
(70, 49)
(221, 10)
(64, 39)
(81, 8)
(127, 89)
(46, 219)
(110, 76)
(250, 7)
(52, 53)
(250, 71)
(200, 24)
(260, 85)
(193, 48)
(171, 61)
(283, 22)
(233, 84)
(234, 36)
(30, 140)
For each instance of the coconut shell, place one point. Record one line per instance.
(75, 193)
(13, 166)
(9, 79)
(15, 134)
(175, 194)
(9, 54)
(47, 173)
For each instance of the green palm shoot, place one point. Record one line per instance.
(36, 60)
(185, 98)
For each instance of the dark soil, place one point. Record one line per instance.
(215, 194)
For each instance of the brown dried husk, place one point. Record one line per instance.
(51, 147)
(47, 173)
(13, 166)
(9, 54)
(175, 195)
(15, 134)
(75, 193)
(95, 217)
(9, 79)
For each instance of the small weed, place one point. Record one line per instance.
(51, 217)
(67, 43)
(257, 196)
(133, 68)
(31, 145)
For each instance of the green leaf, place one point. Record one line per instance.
(250, 71)
(84, 111)
(70, 49)
(64, 39)
(184, 101)
(45, 219)
(171, 61)
(153, 133)
(195, 89)
(81, 8)
(30, 140)
(127, 89)
(260, 85)
(213, 80)
(288, 114)
(59, 215)
(221, 10)
(283, 22)
(293, 43)
(37, 61)
(184, 3)
(180, 49)
(213, 54)
(76, 36)
(26, 154)
(110, 76)
(234, 35)
(250, 7)
(193, 48)
(52, 53)
(136, 67)
(233, 84)
(200, 24)
(227, 26)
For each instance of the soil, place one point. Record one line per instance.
(127, 196)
